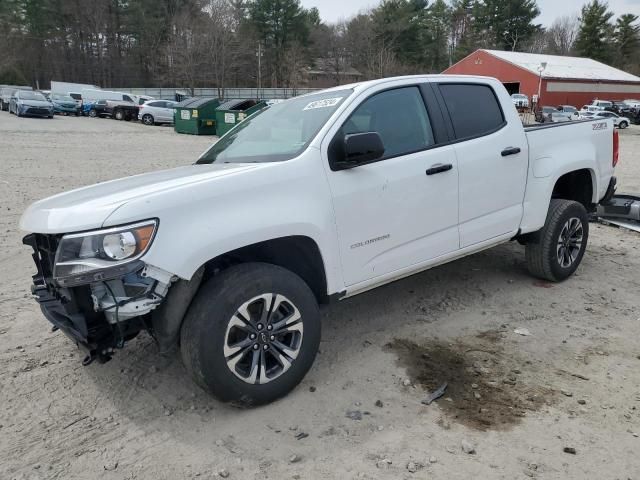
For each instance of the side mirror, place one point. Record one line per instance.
(359, 148)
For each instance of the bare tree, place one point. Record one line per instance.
(562, 34)
(184, 51)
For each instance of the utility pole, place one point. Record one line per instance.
(259, 54)
(541, 69)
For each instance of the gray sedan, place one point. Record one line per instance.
(26, 103)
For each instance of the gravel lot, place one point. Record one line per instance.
(518, 401)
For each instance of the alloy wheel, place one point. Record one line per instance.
(263, 338)
(569, 242)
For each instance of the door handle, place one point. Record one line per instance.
(439, 168)
(510, 151)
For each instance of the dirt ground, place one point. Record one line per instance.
(517, 402)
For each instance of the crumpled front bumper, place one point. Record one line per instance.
(68, 309)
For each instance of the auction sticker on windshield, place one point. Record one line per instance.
(327, 102)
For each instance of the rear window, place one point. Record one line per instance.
(474, 109)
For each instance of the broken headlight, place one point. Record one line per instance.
(102, 254)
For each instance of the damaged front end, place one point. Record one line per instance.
(95, 288)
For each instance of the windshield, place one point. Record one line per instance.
(277, 133)
(569, 109)
(25, 95)
(62, 98)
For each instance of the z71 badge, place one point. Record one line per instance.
(600, 126)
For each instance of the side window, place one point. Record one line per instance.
(126, 98)
(399, 116)
(473, 108)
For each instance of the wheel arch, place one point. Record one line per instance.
(578, 185)
(298, 254)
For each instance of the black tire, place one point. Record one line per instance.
(118, 114)
(623, 125)
(208, 326)
(147, 119)
(93, 113)
(544, 249)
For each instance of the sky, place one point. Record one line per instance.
(334, 10)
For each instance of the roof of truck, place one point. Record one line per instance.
(573, 68)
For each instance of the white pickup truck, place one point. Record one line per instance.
(314, 199)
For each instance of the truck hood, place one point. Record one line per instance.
(88, 207)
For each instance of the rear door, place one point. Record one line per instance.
(400, 211)
(492, 154)
(167, 111)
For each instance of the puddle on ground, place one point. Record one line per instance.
(487, 390)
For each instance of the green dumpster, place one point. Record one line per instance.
(233, 112)
(196, 116)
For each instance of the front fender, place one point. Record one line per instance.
(206, 220)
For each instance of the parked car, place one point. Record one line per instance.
(5, 97)
(621, 108)
(97, 109)
(548, 114)
(618, 121)
(569, 111)
(64, 104)
(121, 110)
(142, 99)
(590, 109)
(6, 92)
(325, 196)
(28, 103)
(632, 103)
(520, 100)
(602, 103)
(156, 111)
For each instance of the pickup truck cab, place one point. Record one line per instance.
(312, 200)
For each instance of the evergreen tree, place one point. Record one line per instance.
(508, 23)
(594, 36)
(627, 40)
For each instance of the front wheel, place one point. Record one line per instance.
(555, 252)
(147, 119)
(93, 113)
(623, 125)
(119, 115)
(251, 334)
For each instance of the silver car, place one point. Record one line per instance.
(156, 111)
(32, 104)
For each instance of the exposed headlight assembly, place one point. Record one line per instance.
(101, 255)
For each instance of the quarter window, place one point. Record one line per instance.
(400, 118)
(473, 108)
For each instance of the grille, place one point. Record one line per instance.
(38, 111)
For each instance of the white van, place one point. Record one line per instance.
(92, 95)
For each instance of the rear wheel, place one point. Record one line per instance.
(119, 114)
(251, 334)
(555, 252)
(147, 119)
(93, 113)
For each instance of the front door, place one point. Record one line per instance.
(402, 210)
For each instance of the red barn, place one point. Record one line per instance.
(562, 80)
